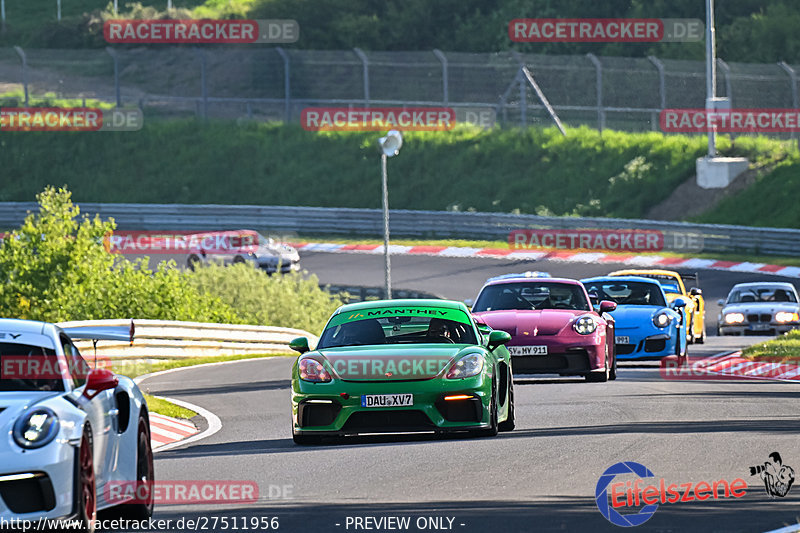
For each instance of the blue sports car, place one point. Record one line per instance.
(647, 327)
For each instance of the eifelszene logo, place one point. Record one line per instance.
(777, 477)
(643, 500)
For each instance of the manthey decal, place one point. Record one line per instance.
(385, 312)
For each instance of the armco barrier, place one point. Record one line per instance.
(361, 293)
(404, 223)
(172, 339)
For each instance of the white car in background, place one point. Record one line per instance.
(240, 246)
(68, 433)
(761, 308)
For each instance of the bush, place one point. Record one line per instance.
(287, 300)
(56, 268)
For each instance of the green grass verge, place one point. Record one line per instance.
(503, 245)
(538, 171)
(771, 201)
(163, 407)
(784, 348)
(137, 368)
(17, 99)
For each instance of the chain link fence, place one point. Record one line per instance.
(272, 83)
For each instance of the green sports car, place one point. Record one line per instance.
(402, 366)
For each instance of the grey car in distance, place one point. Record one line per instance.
(761, 308)
(240, 246)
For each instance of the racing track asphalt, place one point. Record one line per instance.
(540, 477)
(462, 278)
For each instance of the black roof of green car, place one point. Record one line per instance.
(409, 302)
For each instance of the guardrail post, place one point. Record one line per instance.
(24, 59)
(203, 80)
(445, 78)
(115, 58)
(58, 3)
(662, 90)
(601, 113)
(728, 88)
(504, 97)
(365, 62)
(526, 75)
(793, 80)
(523, 104)
(287, 85)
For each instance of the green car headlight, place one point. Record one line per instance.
(466, 367)
(36, 428)
(313, 371)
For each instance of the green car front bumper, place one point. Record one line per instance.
(335, 408)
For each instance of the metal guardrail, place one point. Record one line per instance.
(405, 223)
(174, 339)
(362, 294)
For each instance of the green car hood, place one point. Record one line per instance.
(392, 362)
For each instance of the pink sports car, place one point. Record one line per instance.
(554, 327)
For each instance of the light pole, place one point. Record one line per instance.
(390, 147)
(711, 75)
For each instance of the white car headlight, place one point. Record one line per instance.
(662, 320)
(36, 428)
(784, 317)
(466, 367)
(734, 318)
(585, 325)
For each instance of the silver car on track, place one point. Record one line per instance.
(244, 246)
(761, 308)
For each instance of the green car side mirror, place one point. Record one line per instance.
(300, 344)
(497, 338)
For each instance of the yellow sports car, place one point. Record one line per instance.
(673, 284)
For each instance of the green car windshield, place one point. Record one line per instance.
(404, 325)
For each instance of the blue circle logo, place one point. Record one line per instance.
(601, 495)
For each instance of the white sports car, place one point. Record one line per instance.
(69, 433)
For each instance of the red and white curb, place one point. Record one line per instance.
(733, 365)
(177, 435)
(166, 430)
(572, 257)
